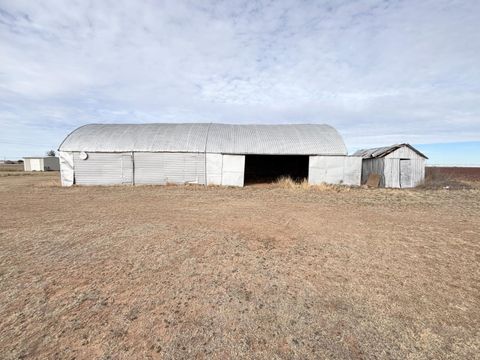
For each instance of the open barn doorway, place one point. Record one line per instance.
(269, 168)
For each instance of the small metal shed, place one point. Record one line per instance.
(41, 163)
(399, 165)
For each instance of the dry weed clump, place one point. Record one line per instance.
(286, 182)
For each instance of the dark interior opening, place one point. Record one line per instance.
(268, 168)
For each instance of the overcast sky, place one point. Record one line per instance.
(381, 72)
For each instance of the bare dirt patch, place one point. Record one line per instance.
(213, 273)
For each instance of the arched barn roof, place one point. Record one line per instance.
(302, 139)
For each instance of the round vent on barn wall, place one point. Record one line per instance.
(83, 155)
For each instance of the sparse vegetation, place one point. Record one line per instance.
(451, 178)
(11, 167)
(286, 182)
(182, 272)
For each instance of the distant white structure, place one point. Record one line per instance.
(399, 165)
(41, 163)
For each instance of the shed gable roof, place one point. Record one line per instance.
(380, 152)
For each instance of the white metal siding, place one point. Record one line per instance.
(36, 164)
(352, 170)
(233, 170)
(127, 168)
(334, 170)
(175, 168)
(214, 169)
(26, 165)
(103, 169)
(66, 168)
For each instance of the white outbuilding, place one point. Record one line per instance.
(209, 154)
(398, 166)
(41, 163)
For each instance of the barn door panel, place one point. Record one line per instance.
(103, 168)
(233, 170)
(405, 173)
(175, 168)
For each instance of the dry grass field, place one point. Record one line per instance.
(461, 173)
(10, 168)
(263, 272)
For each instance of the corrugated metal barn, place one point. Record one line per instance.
(209, 154)
(399, 165)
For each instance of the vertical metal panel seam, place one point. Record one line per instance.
(205, 152)
(133, 168)
(73, 161)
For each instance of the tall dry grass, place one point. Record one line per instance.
(286, 182)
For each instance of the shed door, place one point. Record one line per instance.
(405, 173)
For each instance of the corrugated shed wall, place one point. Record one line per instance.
(103, 169)
(418, 171)
(152, 168)
(373, 166)
(334, 170)
(175, 168)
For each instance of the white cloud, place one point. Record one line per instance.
(380, 71)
